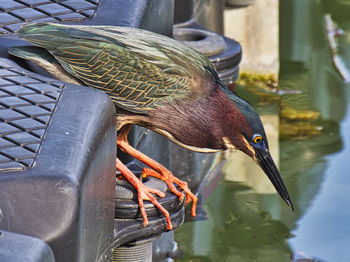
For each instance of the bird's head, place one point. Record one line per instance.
(246, 133)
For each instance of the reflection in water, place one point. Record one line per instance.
(245, 220)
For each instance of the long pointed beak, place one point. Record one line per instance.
(266, 162)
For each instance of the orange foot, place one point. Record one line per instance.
(169, 179)
(158, 171)
(144, 193)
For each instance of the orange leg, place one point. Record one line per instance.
(144, 193)
(160, 171)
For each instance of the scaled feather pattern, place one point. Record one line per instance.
(139, 75)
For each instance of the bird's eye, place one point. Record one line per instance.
(257, 139)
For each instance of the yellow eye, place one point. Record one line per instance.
(257, 139)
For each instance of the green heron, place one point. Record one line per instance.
(158, 83)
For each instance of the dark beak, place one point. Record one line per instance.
(266, 162)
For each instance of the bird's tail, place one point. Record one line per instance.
(44, 59)
(31, 53)
(53, 36)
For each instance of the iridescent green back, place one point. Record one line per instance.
(140, 70)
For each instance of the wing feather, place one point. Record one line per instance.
(138, 69)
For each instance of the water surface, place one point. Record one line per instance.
(243, 219)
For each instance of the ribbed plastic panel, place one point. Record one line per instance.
(57, 157)
(16, 12)
(26, 106)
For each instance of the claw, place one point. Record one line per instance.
(144, 193)
(158, 171)
(149, 172)
(170, 179)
